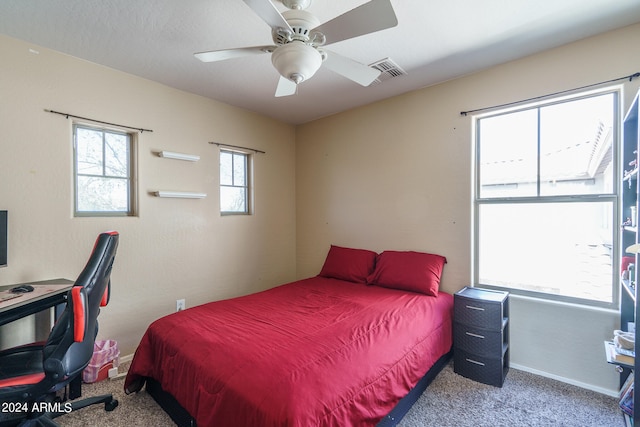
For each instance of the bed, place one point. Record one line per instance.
(338, 349)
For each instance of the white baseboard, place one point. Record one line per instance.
(608, 392)
(127, 358)
(123, 359)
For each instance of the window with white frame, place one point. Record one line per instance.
(234, 182)
(546, 200)
(103, 163)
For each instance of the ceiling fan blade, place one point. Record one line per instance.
(353, 70)
(370, 17)
(221, 55)
(269, 13)
(286, 87)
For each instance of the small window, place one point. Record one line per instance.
(234, 182)
(103, 161)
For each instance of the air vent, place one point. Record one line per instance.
(389, 70)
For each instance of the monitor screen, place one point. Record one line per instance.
(3, 238)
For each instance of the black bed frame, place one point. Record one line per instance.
(403, 406)
(182, 418)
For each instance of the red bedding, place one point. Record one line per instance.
(316, 352)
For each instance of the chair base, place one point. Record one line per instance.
(109, 404)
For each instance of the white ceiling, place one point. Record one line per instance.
(434, 41)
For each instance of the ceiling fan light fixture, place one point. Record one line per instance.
(296, 61)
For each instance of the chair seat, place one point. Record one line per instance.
(21, 368)
(21, 361)
(22, 380)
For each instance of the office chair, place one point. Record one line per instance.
(30, 375)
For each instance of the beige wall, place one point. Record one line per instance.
(174, 248)
(397, 175)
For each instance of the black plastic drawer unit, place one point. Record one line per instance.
(481, 335)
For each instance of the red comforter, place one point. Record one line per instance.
(316, 352)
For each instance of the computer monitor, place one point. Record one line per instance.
(3, 238)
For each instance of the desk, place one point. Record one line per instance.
(46, 294)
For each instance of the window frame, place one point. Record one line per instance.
(131, 178)
(614, 197)
(248, 179)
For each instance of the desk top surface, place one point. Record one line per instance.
(41, 290)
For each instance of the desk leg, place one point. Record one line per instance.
(45, 320)
(57, 311)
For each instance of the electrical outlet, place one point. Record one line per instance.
(180, 304)
(113, 372)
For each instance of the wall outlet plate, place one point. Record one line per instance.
(180, 305)
(113, 372)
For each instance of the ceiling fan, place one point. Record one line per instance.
(299, 39)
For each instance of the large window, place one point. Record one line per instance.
(546, 200)
(103, 160)
(234, 182)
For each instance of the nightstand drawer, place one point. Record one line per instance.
(478, 341)
(481, 308)
(487, 370)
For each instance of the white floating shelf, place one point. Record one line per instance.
(179, 156)
(180, 194)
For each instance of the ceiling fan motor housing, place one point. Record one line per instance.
(301, 22)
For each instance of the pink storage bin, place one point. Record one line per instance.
(106, 355)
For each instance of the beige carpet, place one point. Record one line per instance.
(133, 410)
(451, 400)
(524, 400)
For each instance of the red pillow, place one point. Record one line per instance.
(408, 271)
(353, 265)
